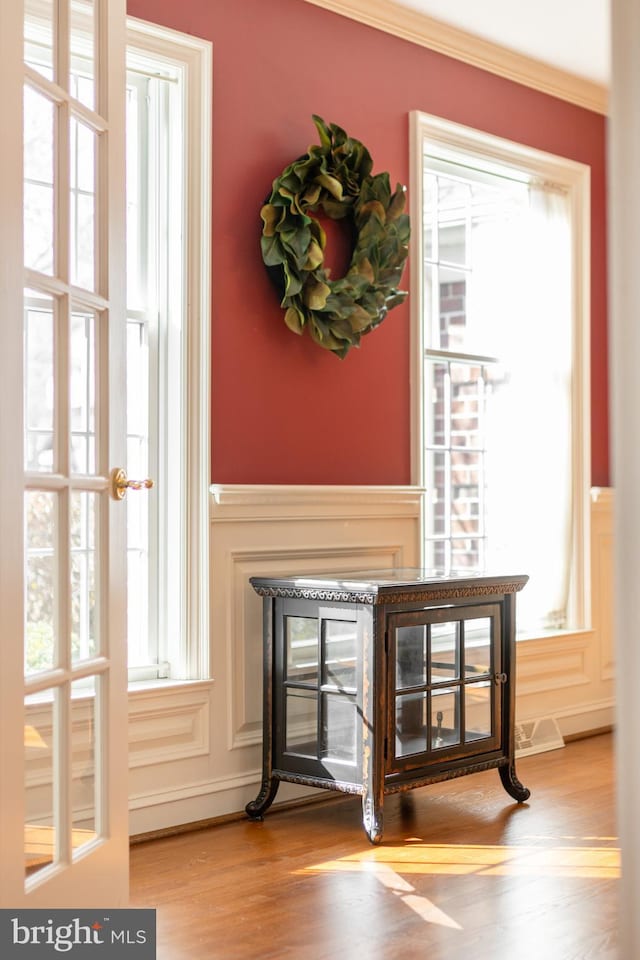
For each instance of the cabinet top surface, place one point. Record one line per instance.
(379, 586)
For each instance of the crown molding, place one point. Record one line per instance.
(452, 42)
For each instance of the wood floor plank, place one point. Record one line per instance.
(462, 872)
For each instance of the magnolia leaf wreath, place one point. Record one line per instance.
(335, 177)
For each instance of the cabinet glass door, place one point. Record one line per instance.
(444, 673)
(318, 666)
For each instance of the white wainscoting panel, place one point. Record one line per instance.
(571, 675)
(167, 725)
(602, 576)
(553, 663)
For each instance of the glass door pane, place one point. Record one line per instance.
(82, 198)
(340, 654)
(39, 36)
(411, 724)
(478, 656)
(41, 580)
(39, 199)
(40, 736)
(301, 723)
(338, 705)
(445, 651)
(39, 395)
(444, 664)
(83, 52)
(339, 728)
(84, 361)
(85, 575)
(302, 650)
(478, 711)
(85, 755)
(411, 655)
(445, 718)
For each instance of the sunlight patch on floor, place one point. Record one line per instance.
(408, 895)
(597, 862)
(537, 837)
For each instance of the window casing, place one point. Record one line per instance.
(492, 376)
(168, 242)
(155, 350)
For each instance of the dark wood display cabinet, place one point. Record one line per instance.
(379, 681)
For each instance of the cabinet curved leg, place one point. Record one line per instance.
(372, 819)
(512, 785)
(256, 808)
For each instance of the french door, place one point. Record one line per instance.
(63, 788)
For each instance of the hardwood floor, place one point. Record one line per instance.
(463, 872)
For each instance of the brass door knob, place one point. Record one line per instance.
(119, 484)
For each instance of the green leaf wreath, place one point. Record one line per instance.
(335, 176)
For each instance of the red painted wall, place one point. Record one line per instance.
(283, 410)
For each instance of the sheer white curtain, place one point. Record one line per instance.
(522, 282)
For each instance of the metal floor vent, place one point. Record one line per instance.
(537, 736)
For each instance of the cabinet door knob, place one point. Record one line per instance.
(500, 678)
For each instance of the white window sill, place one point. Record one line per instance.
(544, 635)
(167, 685)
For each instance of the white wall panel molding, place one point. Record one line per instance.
(602, 584)
(554, 663)
(167, 724)
(570, 675)
(203, 788)
(452, 42)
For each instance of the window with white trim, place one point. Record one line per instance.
(168, 236)
(501, 409)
